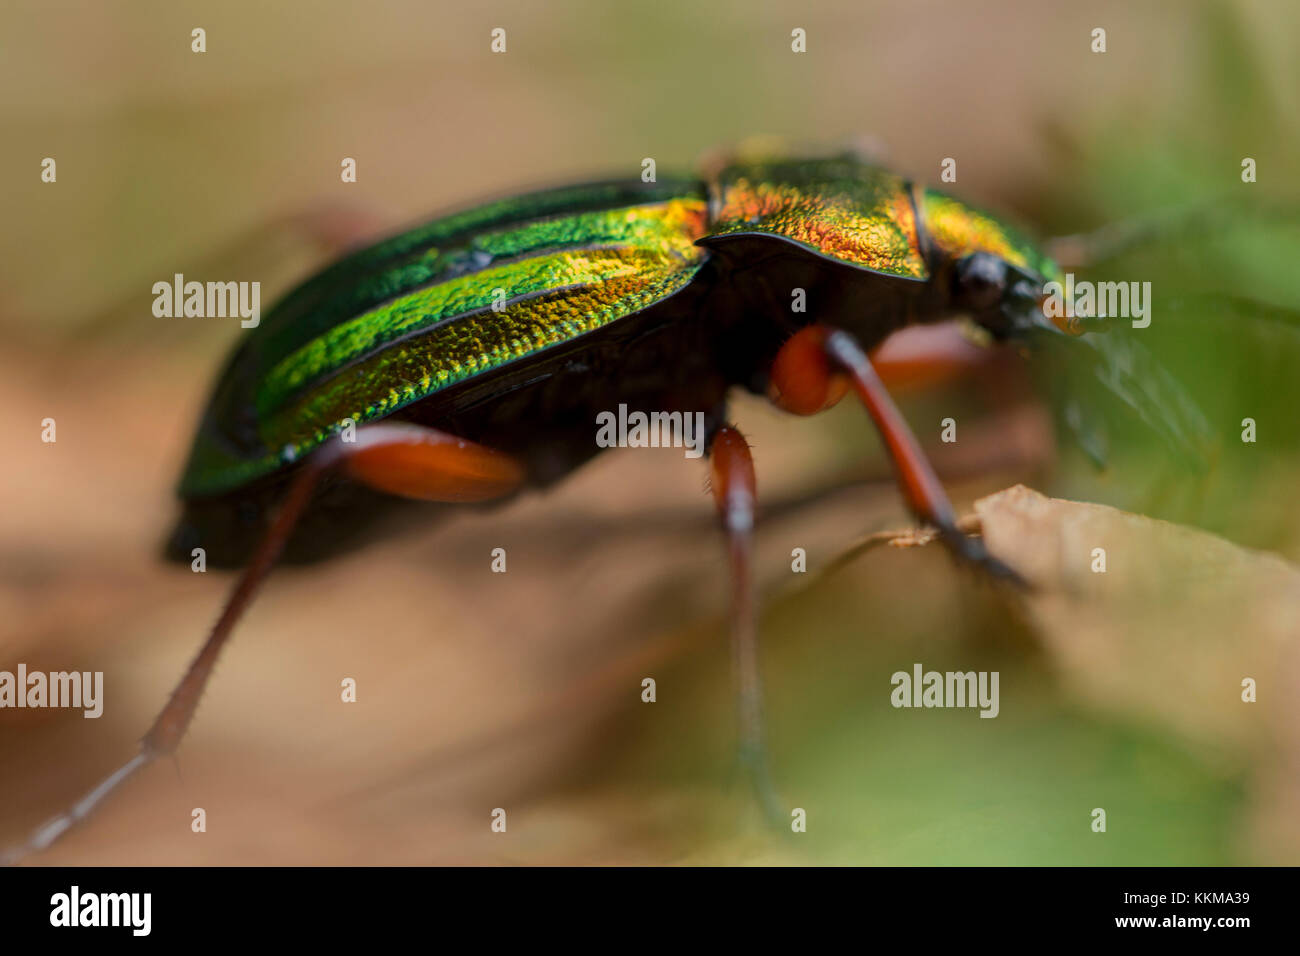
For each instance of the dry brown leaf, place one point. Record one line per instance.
(1168, 633)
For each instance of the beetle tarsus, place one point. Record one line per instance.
(974, 552)
(754, 764)
(51, 830)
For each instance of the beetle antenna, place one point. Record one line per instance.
(1084, 249)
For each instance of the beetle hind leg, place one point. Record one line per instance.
(401, 459)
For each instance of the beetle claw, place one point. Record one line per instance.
(974, 551)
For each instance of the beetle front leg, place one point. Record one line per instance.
(734, 486)
(402, 459)
(920, 485)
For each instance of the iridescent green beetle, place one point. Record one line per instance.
(467, 322)
(468, 359)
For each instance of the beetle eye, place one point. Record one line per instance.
(981, 279)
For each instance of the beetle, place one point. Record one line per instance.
(466, 360)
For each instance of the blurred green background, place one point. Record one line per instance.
(226, 165)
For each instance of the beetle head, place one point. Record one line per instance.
(982, 266)
(987, 270)
(1004, 298)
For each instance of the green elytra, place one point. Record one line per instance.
(474, 297)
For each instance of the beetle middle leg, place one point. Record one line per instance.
(734, 486)
(402, 459)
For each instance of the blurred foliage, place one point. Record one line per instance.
(1220, 255)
